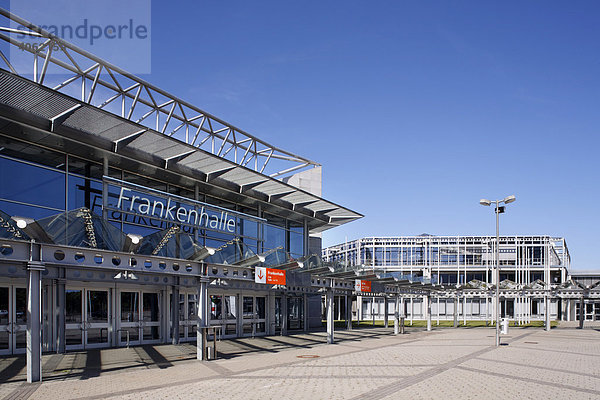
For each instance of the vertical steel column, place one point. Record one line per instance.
(455, 325)
(202, 319)
(465, 310)
(329, 306)
(349, 312)
(284, 312)
(428, 308)
(582, 311)
(385, 313)
(60, 311)
(34, 317)
(175, 312)
(547, 300)
(397, 315)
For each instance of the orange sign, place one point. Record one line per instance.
(269, 276)
(362, 286)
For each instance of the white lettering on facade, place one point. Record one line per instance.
(175, 212)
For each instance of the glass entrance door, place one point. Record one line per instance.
(295, 313)
(254, 315)
(139, 320)
(224, 312)
(13, 319)
(188, 316)
(5, 321)
(86, 318)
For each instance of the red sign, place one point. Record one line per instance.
(269, 276)
(362, 286)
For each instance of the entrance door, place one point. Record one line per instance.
(188, 316)
(254, 316)
(86, 318)
(295, 313)
(139, 317)
(13, 319)
(278, 315)
(224, 312)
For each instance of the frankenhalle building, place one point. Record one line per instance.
(124, 206)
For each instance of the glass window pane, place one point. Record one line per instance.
(151, 309)
(73, 306)
(260, 307)
(97, 306)
(23, 182)
(129, 306)
(247, 307)
(231, 305)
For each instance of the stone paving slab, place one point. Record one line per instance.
(371, 364)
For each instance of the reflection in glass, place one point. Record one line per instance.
(151, 333)
(192, 307)
(97, 335)
(4, 337)
(134, 334)
(260, 307)
(247, 307)
(150, 309)
(73, 336)
(73, 309)
(21, 306)
(215, 307)
(129, 306)
(231, 305)
(295, 313)
(97, 306)
(4, 306)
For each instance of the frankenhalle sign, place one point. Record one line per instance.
(362, 286)
(269, 276)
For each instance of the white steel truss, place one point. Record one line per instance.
(104, 85)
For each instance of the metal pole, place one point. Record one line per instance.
(497, 273)
(329, 306)
(397, 315)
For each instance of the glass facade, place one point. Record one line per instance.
(40, 184)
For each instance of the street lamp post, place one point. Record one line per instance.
(499, 210)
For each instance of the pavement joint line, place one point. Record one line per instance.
(235, 374)
(530, 380)
(24, 391)
(564, 371)
(555, 351)
(387, 390)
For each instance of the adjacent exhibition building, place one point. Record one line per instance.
(463, 268)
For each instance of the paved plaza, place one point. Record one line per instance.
(367, 363)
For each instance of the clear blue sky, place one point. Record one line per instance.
(415, 109)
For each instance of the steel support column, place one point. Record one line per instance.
(397, 315)
(547, 314)
(202, 319)
(329, 312)
(60, 312)
(385, 313)
(428, 310)
(34, 321)
(175, 314)
(349, 312)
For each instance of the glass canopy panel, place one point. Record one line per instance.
(82, 228)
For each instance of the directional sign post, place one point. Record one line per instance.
(269, 276)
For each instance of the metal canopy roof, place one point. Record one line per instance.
(91, 126)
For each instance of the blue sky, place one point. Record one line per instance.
(415, 109)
